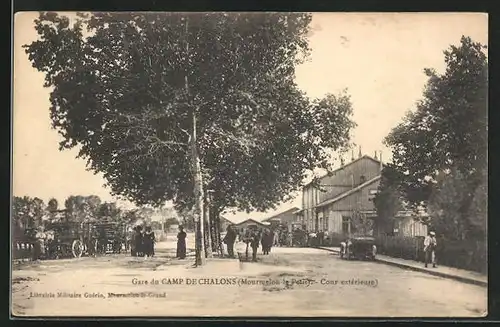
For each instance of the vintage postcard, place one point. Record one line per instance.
(265, 164)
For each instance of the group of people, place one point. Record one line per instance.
(143, 242)
(252, 237)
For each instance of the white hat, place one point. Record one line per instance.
(432, 233)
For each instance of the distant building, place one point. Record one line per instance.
(286, 217)
(349, 190)
(244, 225)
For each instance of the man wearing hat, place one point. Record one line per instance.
(430, 245)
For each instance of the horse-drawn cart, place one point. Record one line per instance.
(69, 239)
(111, 236)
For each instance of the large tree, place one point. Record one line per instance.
(440, 149)
(169, 105)
(448, 129)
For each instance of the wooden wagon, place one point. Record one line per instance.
(111, 236)
(70, 239)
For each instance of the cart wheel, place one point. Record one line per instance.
(77, 248)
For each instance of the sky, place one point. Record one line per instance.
(378, 57)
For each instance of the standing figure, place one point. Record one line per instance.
(181, 243)
(137, 247)
(270, 241)
(430, 244)
(326, 239)
(267, 241)
(289, 239)
(263, 240)
(149, 242)
(254, 243)
(229, 240)
(102, 241)
(321, 237)
(39, 246)
(276, 237)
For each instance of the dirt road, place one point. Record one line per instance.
(289, 282)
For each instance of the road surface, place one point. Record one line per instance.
(289, 282)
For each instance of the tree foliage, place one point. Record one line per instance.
(52, 205)
(452, 213)
(186, 218)
(141, 215)
(448, 129)
(120, 94)
(80, 208)
(27, 212)
(109, 210)
(388, 200)
(440, 149)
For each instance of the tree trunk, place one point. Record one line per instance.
(196, 171)
(208, 229)
(213, 230)
(198, 197)
(220, 247)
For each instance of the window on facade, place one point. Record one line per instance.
(325, 224)
(345, 224)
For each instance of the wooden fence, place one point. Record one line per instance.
(22, 250)
(466, 254)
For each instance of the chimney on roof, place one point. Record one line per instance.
(376, 155)
(359, 154)
(352, 155)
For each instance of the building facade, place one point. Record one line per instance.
(332, 204)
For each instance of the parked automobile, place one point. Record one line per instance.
(360, 247)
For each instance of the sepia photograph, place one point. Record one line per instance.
(249, 164)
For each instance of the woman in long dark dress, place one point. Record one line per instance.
(138, 248)
(181, 243)
(229, 240)
(149, 242)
